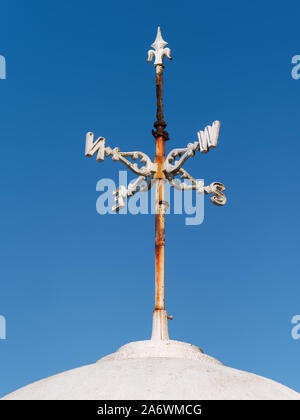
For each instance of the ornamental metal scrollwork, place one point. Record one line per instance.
(215, 188)
(207, 139)
(141, 184)
(98, 146)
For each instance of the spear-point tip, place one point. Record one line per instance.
(159, 41)
(159, 50)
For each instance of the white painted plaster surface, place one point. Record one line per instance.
(155, 370)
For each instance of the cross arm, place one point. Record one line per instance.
(141, 184)
(207, 139)
(98, 146)
(215, 188)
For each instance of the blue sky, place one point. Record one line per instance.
(75, 285)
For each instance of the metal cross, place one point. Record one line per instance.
(161, 170)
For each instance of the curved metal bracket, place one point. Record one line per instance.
(145, 170)
(215, 188)
(207, 139)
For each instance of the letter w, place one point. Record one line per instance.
(208, 138)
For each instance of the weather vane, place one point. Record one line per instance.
(157, 173)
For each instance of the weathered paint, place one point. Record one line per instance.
(160, 317)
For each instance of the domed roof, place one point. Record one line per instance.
(162, 369)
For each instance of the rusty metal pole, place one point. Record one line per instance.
(160, 318)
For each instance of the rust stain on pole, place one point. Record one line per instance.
(160, 321)
(160, 136)
(160, 229)
(160, 123)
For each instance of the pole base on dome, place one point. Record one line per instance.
(160, 325)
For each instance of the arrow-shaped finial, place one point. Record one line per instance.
(159, 51)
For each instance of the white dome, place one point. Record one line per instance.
(155, 370)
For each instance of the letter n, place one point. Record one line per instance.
(92, 147)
